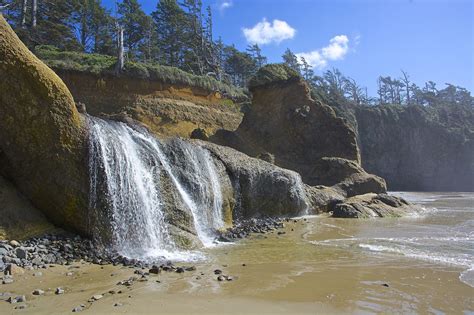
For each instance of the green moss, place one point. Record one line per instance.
(105, 65)
(272, 73)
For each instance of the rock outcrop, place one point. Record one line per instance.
(373, 206)
(299, 133)
(42, 136)
(416, 148)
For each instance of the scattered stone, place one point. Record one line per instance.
(69, 274)
(154, 269)
(281, 233)
(21, 253)
(118, 304)
(229, 278)
(221, 278)
(180, 270)
(14, 243)
(243, 265)
(77, 309)
(192, 268)
(20, 307)
(59, 291)
(7, 281)
(37, 274)
(217, 272)
(38, 292)
(21, 299)
(385, 285)
(97, 297)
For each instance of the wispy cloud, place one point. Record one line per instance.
(224, 4)
(266, 32)
(336, 50)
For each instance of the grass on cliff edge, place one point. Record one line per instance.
(105, 65)
(275, 72)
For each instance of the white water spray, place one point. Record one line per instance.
(125, 170)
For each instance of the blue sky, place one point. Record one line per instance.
(430, 39)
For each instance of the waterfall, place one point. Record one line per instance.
(127, 168)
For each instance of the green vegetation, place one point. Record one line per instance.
(273, 73)
(105, 65)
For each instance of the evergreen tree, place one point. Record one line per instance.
(170, 20)
(290, 59)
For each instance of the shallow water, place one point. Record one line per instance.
(426, 260)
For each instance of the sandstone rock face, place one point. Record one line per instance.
(42, 136)
(416, 148)
(299, 133)
(165, 109)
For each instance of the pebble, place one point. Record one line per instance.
(77, 309)
(59, 291)
(386, 285)
(14, 243)
(97, 297)
(180, 270)
(118, 304)
(20, 307)
(221, 278)
(7, 281)
(38, 292)
(217, 272)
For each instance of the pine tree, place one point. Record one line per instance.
(290, 59)
(170, 21)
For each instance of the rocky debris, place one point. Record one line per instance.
(225, 278)
(17, 299)
(118, 304)
(14, 243)
(7, 280)
(38, 292)
(244, 228)
(61, 249)
(59, 291)
(96, 297)
(373, 205)
(79, 308)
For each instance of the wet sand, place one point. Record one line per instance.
(290, 273)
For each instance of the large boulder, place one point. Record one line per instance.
(260, 188)
(373, 206)
(42, 136)
(299, 133)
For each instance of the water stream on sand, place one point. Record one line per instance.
(126, 169)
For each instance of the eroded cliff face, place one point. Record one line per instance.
(416, 148)
(286, 126)
(167, 110)
(43, 137)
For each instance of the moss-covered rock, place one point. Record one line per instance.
(42, 136)
(273, 73)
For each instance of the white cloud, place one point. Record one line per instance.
(336, 50)
(225, 4)
(265, 32)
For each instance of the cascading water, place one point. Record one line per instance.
(126, 170)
